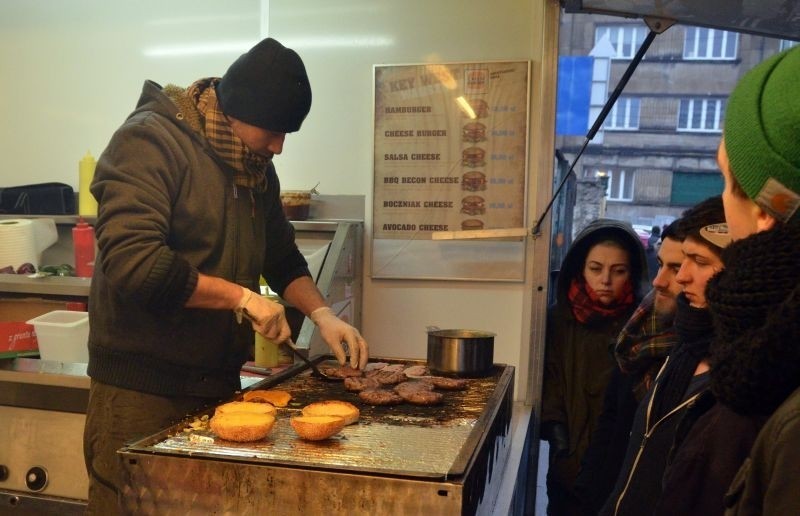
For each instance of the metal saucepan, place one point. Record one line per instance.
(460, 352)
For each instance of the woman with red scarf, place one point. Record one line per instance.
(599, 285)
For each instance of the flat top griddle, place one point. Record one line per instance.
(433, 442)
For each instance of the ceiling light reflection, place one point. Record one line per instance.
(465, 107)
(197, 49)
(354, 41)
(239, 47)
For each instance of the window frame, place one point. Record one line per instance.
(719, 115)
(694, 34)
(637, 34)
(616, 182)
(788, 43)
(623, 102)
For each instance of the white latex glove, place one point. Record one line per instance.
(267, 317)
(334, 331)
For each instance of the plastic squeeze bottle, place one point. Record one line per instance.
(83, 243)
(87, 205)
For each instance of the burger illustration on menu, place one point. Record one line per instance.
(471, 224)
(473, 181)
(473, 205)
(473, 157)
(473, 132)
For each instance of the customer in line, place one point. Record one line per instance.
(756, 306)
(598, 288)
(640, 350)
(684, 374)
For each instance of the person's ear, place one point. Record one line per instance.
(764, 221)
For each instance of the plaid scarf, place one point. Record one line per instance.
(586, 306)
(644, 343)
(250, 168)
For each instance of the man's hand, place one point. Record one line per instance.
(335, 331)
(267, 317)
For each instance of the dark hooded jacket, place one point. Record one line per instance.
(755, 361)
(579, 357)
(169, 210)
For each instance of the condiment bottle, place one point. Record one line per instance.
(87, 204)
(83, 243)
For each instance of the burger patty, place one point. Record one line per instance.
(422, 397)
(448, 384)
(395, 368)
(379, 397)
(344, 371)
(359, 383)
(416, 370)
(372, 366)
(412, 386)
(385, 377)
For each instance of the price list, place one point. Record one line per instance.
(450, 148)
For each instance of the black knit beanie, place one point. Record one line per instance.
(267, 87)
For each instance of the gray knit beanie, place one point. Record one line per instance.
(267, 87)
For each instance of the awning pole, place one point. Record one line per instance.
(657, 26)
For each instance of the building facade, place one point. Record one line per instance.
(657, 147)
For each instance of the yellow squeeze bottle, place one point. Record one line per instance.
(87, 205)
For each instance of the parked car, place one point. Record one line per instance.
(643, 232)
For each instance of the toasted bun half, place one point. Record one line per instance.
(316, 428)
(277, 398)
(347, 411)
(242, 426)
(250, 407)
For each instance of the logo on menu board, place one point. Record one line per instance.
(476, 80)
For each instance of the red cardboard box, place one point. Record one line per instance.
(17, 338)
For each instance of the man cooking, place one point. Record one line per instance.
(189, 217)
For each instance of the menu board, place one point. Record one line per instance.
(450, 154)
(450, 149)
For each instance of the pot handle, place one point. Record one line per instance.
(432, 328)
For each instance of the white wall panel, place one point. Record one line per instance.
(72, 70)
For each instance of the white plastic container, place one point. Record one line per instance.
(63, 335)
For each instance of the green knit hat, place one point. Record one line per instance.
(762, 134)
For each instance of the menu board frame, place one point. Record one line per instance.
(450, 152)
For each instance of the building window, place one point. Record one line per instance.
(788, 43)
(620, 183)
(701, 43)
(624, 116)
(701, 115)
(626, 39)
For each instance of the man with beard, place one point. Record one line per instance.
(684, 375)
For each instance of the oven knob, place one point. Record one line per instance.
(3, 473)
(36, 478)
